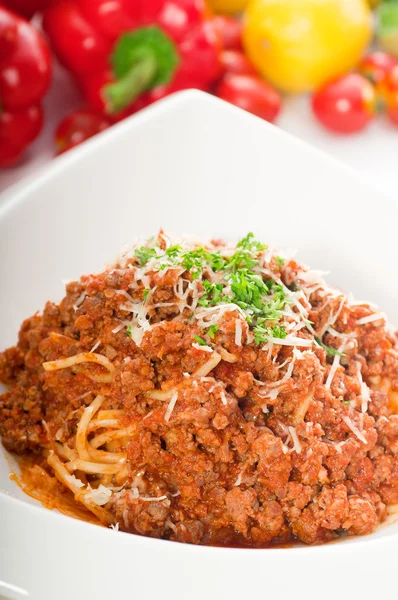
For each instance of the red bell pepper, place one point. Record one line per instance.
(26, 8)
(125, 54)
(25, 74)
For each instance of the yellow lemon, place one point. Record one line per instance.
(300, 44)
(227, 6)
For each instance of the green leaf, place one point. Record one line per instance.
(328, 349)
(144, 254)
(212, 330)
(136, 46)
(200, 340)
(145, 295)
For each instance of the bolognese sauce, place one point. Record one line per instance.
(209, 394)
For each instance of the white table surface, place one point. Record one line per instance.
(373, 152)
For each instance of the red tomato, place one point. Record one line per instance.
(77, 127)
(252, 94)
(377, 65)
(389, 93)
(345, 105)
(233, 61)
(230, 31)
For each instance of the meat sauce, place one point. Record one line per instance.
(211, 395)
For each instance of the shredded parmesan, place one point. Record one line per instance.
(96, 345)
(100, 496)
(290, 341)
(203, 348)
(370, 318)
(354, 429)
(239, 478)
(72, 480)
(171, 406)
(149, 499)
(79, 300)
(238, 332)
(296, 444)
(365, 392)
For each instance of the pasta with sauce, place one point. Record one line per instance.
(210, 394)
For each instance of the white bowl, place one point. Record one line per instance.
(191, 164)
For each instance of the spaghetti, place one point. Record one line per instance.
(211, 394)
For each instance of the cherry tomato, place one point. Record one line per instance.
(230, 31)
(389, 94)
(17, 130)
(233, 61)
(77, 127)
(252, 94)
(377, 65)
(345, 105)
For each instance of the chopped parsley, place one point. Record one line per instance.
(200, 340)
(145, 295)
(144, 255)
(239, 281)
(129, 331)
(212, 330)
(328, 349)
(279, 260)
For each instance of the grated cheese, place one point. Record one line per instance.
(238, 332)
(239, 478)
(96, 345)
(149, 499)
(354, 429)
(200, 347)
(171, 406)
(296, 444)
(291, 341)
(365, 392)
(100, 496)
(371, 318)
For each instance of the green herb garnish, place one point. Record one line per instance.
(240, 281)
(328, 349)
(212, 330)
(144, 254)
(200, 340)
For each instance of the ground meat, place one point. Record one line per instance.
(269, 444)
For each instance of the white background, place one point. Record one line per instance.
(374, 152)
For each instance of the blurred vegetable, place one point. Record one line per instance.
(387, 31)
(252, 94)
(228, 6)
(345, 105)
(301, 44)
(17, 130)
(26, 8)
(129, 55)
(233, 61)
(389, 93)
(25, 75)
(78, 127)
(377, 65)
(229, 30)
